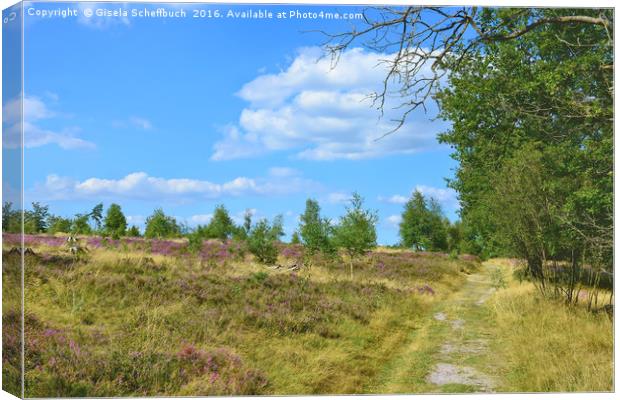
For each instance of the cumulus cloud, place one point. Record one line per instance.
(323, 112)
(140, 185)
(394, 220)
(35, 110)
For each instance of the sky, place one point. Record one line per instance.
(188, 113)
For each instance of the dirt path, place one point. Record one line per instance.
(450, 352)
(464, 345)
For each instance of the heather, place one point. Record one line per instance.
(151, 317)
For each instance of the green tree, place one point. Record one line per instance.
(11, 219)
(295, 239)
(58, 224)
(413, 227)
(35, 220)
(221, 225)
(80, 226)
(133, 231)
(263, 238)
(115, 223)
(544, 98)
(159, 225)
(316, 232)
(356, 232)
(96, 215)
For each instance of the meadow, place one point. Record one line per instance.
(147, 317)
(137, 317)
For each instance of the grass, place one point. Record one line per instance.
(548, 347)
(146, 320)
(126, 322)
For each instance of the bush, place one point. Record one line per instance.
(262, 240)
(159, 225)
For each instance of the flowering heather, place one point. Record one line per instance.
(33, 240)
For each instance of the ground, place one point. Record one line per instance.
(148, 318)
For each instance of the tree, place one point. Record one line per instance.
(295, 238)
(315, 231)
(58, 224)
(221, 225)
(356, 232)
(133, 231)
(80, 226)
(262, 240)
(413, 228)
(159, 225)
(97, 215)
(115, 222)
(247, 221)
(35, 220)
(11, 219)
(421, 45)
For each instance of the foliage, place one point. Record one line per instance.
(221, 225)
(11, 218)
(356, 231)
(295, 239)
(159, 225)
(531, 125)
(35, 220)
(423, 225)
(115, 223)
(133, 231)
(80, 226)
(316, 232)
(262, 240)
(58, 224)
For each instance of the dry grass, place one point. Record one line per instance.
(549, 347)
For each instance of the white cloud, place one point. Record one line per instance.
(36, 109)
(394, 220)
(323, 112)
(447, 197)
(283, 172)
(396, 199)
(338, 197)
(138, 220)
(133, 122)
(200, 219)
(139, 185)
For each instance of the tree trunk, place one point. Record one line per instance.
(351, 266)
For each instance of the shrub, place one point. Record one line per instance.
(262, 240)
(159, 225)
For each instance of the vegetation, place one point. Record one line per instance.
(316, 232)
(356, 232)
(159, 225)
(115, 223)
(528, 93)
(262, 240)
(423, 225)
(143, 317)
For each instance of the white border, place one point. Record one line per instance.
(519, 3)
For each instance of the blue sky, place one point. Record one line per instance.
(189, 113)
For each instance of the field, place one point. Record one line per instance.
(136, 317)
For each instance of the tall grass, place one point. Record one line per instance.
(546, 346)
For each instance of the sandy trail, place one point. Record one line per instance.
(465, 342)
